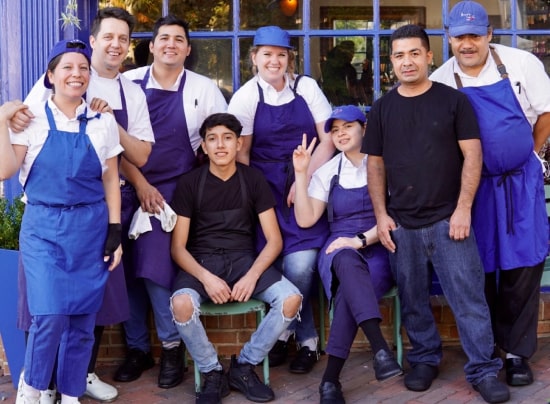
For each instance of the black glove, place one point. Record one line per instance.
(113, 239)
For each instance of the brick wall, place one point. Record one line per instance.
(230, 332)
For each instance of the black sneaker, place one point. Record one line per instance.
(215, 387)
(134, 365)
(493, 390)
(385, 366)
(277, 354)
(243, 378)
(171, 367)
(304, 360)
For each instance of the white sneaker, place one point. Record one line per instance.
(69, 399)
(48, 396)
(99, 390)
(25, 393)
(20, 398)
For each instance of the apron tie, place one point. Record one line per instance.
(289, 180)
(509, 199)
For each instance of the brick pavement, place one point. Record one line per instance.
(357, 378)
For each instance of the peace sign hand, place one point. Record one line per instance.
(302, 155)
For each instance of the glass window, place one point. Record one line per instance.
(286, 14)
(204, 15)
(213, 58)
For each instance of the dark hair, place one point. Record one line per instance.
(170, 19)
(221, 119)
(411, 31)
(112, 12)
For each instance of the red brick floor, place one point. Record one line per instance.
(357, 378)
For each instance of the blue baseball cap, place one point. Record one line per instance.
(67, 46)
(468, 17)
(272, 36)
(348, 113)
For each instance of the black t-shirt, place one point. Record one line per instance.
(219, 195)
(418, 140)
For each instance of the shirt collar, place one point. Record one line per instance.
(79, 110)
(155, 83)
(268, 87)
(489, 64)
(346, 163)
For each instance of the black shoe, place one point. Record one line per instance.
(277, 354)
(215, 387)
(134, 365)
(171, 367)
(331, 393)
(243, 378)
(420, 377)
(518, 372)
(304, 360)
(493, 390)
(385, 365)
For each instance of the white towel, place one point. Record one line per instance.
(141, 222)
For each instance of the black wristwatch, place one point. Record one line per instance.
(363, 239)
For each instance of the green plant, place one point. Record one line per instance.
(11, 214)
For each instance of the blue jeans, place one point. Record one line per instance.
(142, 294)
(461, 275)
(262, 340)
(299, 268)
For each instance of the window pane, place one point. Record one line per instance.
(286, 14)
(212, 58)
(204, 15)
(146, 12)
(361, 17)
(536, 16)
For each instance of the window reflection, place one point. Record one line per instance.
(286, 14)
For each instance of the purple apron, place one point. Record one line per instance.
(350, 212)
(277, 132)
(509, 214)
(64, 226)
(115, 308)
(171, 156)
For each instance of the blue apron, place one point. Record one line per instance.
(172, 155)
(509, 213)
(64, 226)
(115, 308)
(350, 212)
(277, 132)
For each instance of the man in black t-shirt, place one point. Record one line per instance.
(423, 170)
(219, 206)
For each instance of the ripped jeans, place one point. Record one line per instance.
(262, 340)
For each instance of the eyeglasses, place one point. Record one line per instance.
(76, 44)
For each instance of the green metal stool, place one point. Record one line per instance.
(229, 309)
(397, 338)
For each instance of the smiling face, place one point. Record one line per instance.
(70, 76)
(410, 61)
(272, 63)
(471, 51)
(170, 47)
(110, 46)
(347, 136)
(221, 145)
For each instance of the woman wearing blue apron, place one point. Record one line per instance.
(70, 234)
(276, 109)
(353, 266)
(509, 219)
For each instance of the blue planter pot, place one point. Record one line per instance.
(12, 338)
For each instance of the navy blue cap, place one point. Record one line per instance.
(272, 36)
(468, 18)
(66, 46)
(348, 113)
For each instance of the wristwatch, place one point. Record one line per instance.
(363, 239)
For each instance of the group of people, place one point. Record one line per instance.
(290, 187)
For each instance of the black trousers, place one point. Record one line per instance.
(513, 300)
